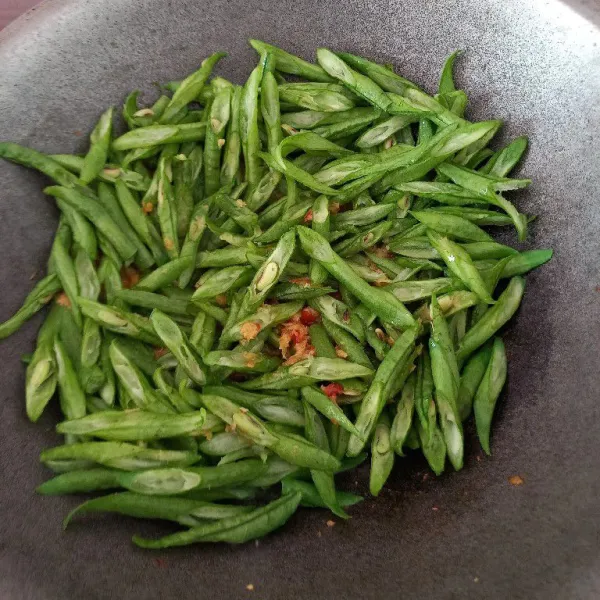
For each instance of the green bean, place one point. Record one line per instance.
(451, 225)
(192, 240)
(362, 216)
(418, 161)
(217, 119)
(299, 291)
(288, 63)
(379, 301)
(470, 379)
(119, 321)
(459, 262)
(409, 291)
(97, 214)
(163, 275)
(185, 177)
(237, 529)
(176, 341)
(311, 497)
(108, 199)
(360, 84)
(323, 481)
(222, 257)
(87, 278)
(479, 216)
(167, 210)
(375, 398)
(73, 482)
(215, 282)
(118, 455)
(181, 510)
(270, 110)
(446, 380)
(340, 314)
(262, 191)
(134, 425)
(72, 397)
(490, 187)
(91, 341)
(231, 155)
(41, 294)
(499, 314)
(65, 269)
(505, 160)
(446, 84)
(324, 97)
(242, 361)
(382, 455)
(305, 372)
(383, 130)
(268, 275)
(223, 443)
(320, 223)
(348, 343)
(41, 373)
(190, 88)
(159, 135)
(100, 137)
(488, 391)
(214, 311)
(38, 161)
(523, 262)
(238, 212)
(404, 416)
(133, 380)
(288, 219)
(328, 408)
(83, 231)
(363, 240)
(290, 169)
(382, 75)
(130, 111)
(430, 436)
(249, 126)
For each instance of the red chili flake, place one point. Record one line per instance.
(303, 281)
(129, 277)
(250, 329)
(346, 316)
(340, 352)
(308, 217)
(221, 300)
(308, 316)
(336, 295)
(161, 563)
(333, 390)
(158, 352)
(63, 300)
(516, 480)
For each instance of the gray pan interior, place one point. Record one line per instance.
(534, 64)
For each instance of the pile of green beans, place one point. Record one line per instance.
(255, 285)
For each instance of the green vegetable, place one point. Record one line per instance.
(198, 353)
